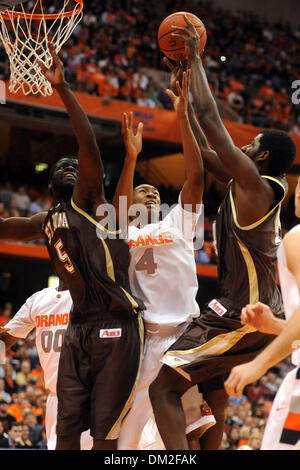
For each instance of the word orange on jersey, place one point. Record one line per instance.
(146, 240)
(56, 319)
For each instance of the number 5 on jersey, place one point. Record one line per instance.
(63, 256)
(146, 262)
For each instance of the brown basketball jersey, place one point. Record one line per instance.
(92, 264)
(247, 256)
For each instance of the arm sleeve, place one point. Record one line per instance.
(184, 220)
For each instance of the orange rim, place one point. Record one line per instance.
(35, 16)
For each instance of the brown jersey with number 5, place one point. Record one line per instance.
(92, 262)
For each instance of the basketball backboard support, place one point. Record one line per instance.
(5, 4)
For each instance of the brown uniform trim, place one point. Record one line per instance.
(214, 347)
(131, 396)
(260, 221)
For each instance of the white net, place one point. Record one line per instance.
(25, 37)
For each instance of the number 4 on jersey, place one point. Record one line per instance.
(146, 262)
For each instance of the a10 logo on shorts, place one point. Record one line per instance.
(110, 333)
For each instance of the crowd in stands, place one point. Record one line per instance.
(23, 401)
(250, 63)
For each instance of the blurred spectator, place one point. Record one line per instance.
(35, 206)
(19, 406)
(233, 438)
(35, 429)
(6, 314)
(3, 212)
(22, 201)
(15, 440)
(42, 444)
(6, 193)
(9, 378)
(25, 436)
(3, 437)
(5, 418)
(244, 436)
(3, 394)
(236, 102)
(24, 376)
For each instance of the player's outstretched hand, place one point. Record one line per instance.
(242, 375)
(191, 38)
(133, 142)
(176, 70)
(181, 99)
(55, 74)
(259, 316)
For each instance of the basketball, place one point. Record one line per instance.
(173, 47)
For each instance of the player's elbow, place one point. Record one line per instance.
(206, 109)
(196, 180)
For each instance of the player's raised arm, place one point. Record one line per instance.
(210, 158)
(238, 165)
(22, 228)
(133, 145)
(88, 191)
(284, 343)
(235, 162)
(192, 190)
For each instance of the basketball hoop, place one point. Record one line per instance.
(25, 37)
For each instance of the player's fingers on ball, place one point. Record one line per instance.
(168, 63)
(188, 21)
(181, 36)
(181, 28)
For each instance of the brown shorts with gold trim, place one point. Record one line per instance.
(97, 376)
(213, 344)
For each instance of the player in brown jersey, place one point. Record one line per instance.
(247, 235)
(94, 388)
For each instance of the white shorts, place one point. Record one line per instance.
(133, 436)
(283, 426)
(86, 441)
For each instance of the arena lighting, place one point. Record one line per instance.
(39, 167)
(223, 58)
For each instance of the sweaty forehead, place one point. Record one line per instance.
(66, 161)
(148, 187)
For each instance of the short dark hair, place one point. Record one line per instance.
(52, 169)
(282, 150)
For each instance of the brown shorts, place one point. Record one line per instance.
(97, 376)
(212, 345)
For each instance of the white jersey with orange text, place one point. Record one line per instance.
(162, 273)
(48, 311)
(162, 270)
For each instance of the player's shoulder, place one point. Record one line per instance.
(43, 293)
(291, 242)
(292, 236)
